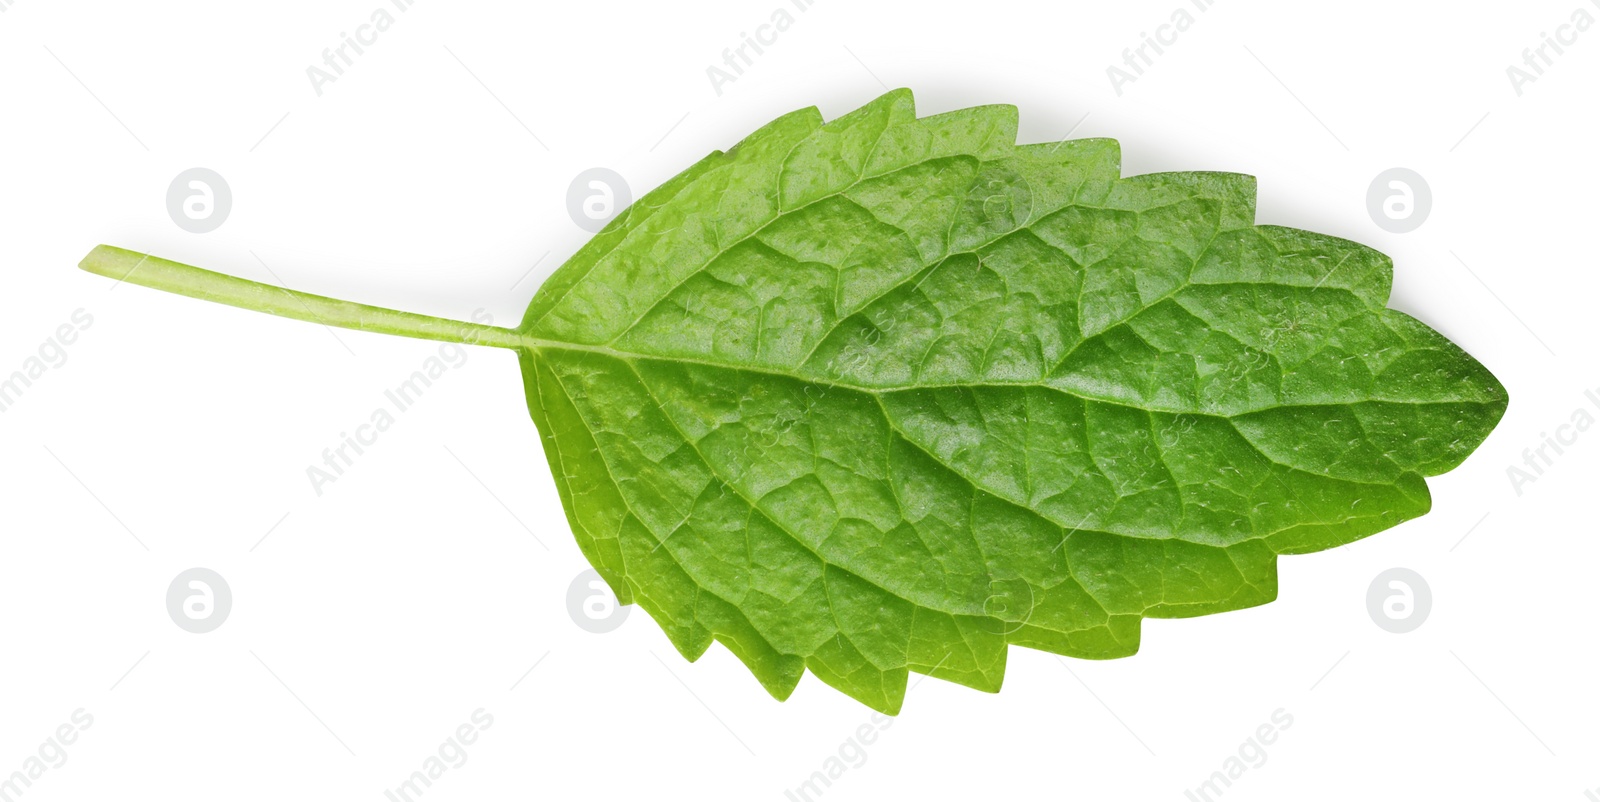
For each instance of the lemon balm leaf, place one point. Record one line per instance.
(888, 395)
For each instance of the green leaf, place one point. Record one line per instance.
(889, 395)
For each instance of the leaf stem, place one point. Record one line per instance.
(163, 274)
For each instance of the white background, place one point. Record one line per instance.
(373, 620)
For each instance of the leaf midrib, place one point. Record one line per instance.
(537, 344)
(631, 361)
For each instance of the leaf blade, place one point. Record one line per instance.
(888, 394)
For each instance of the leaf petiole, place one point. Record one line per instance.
(164, 274)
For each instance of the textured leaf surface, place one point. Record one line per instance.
(888, 394)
